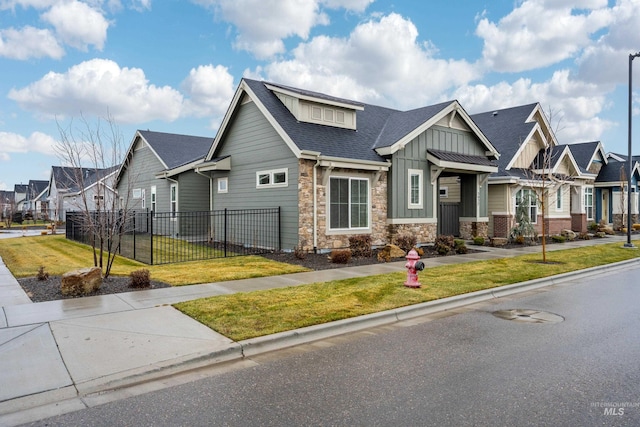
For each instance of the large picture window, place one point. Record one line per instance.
(588, 201)
(528, 200)
(349, 203)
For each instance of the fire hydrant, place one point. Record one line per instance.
(413, 265)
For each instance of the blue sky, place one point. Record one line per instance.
(173, 65)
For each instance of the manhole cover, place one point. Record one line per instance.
(528, 316)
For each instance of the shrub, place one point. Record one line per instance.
(593, 226)
(42, 275)
(444, 244)
(360, 245)
(384, 255)
(460, 246)
(558, 238)
(520, 240)
(584, 236)
(600, 234)
(636, 227)
(478, 240)
(406, 241)
(419, 251)
(340, 256)
(140, 278)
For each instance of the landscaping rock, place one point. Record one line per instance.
(81, 282)
(499, 241)
(390, 252)
(569, 234)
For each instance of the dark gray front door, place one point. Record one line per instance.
(449, 219)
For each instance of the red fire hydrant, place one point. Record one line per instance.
(413, 265)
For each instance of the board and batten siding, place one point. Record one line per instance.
(254, 145)
(414, 156)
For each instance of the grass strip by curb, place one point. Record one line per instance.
(252, 314)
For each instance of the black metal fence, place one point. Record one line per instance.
(169, 237)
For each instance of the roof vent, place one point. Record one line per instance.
(495, 113)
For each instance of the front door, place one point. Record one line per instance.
(605, 206)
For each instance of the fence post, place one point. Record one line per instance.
(134, 235)
(151, 237)
(225, 232)
(279, 229)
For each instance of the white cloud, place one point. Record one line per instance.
(209, 90)
(539, 33)
(98, 85)
(577, 104)
(37, 142)
(263, 24)
(382, 61)
(77, 24)
(29, 42)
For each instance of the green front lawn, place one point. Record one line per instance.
(247, 315)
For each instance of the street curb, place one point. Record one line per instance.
(52, 404)
(281, 340)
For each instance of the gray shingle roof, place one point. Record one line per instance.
(35, 188)
(507, 129)
(583, 152)
(377, 126)
(177, 150)
(68, 179)
(611, 171)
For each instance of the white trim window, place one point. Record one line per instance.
(559, 200)
(223, 185)
(272, 178)
(153, 198)
(414, 196)
(173, 197)
(530, 200)
(136, 193)
(588, 202)
(348, 203)
(143, 199)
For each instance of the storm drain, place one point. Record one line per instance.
(528, 316)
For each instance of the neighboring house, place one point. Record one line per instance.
(339, 168)
(77, 189)
(7, 202)
(590, 156)
(36, 189)
(20, 195)
(611, 191)
(531, 157)
(157, 175)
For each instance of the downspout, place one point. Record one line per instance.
(315, 205)
(210, 187)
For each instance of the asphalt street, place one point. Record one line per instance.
(458, 368)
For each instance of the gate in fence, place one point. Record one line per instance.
(168, 237)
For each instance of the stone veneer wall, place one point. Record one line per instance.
(425, 233)
(305, 205)
(619, 222)
(471, 229)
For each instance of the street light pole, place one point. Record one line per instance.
(629, 244)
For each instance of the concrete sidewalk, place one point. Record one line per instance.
(54, 354)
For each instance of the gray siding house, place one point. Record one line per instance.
(338, 168)
(157, 176)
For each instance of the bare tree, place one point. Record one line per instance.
(92, 153)
(543, 180)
